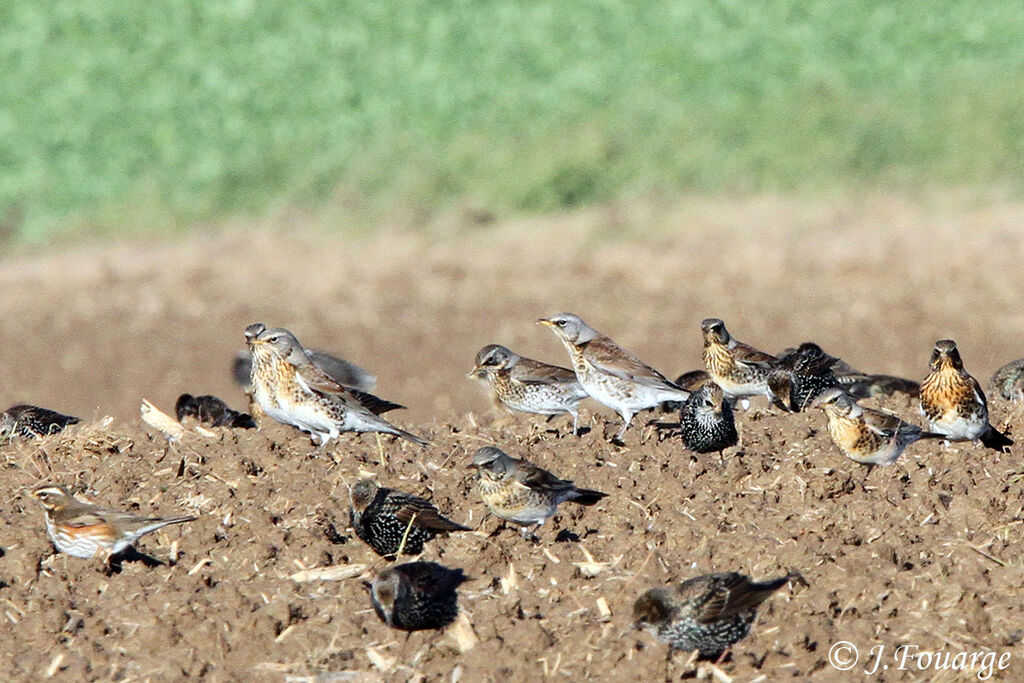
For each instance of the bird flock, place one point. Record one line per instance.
(325, 396)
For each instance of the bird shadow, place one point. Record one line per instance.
(566, 536)
(114, 565)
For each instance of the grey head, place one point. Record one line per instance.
(495, 357)
(714, 330)
(280, 341)
(570, 328)
(835, 400)
(493, 460)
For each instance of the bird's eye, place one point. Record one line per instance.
(274, 339)
(560, 323)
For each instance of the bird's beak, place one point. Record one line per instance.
(367, 585)
(470, 466)
(545, 322)
(477, 371)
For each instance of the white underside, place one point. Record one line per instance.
(960, 429)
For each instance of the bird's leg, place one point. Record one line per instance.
(721, 657)
(575, 422)
(864, 482)
(627, 418)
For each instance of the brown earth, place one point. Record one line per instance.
(925, 552)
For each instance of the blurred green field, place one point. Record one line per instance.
(125, 116)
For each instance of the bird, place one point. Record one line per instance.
(1008, 381)
(528, 385)
(343, 372)
(212, 412)
(954, 403)
(288, 387)
(691, 380)
(610, 374)
(802, 373)
(389, 521)
(416, 596)
(706, 420)
(740, 370)
(708, 613)
(31, 422)
(520, 492)
(864, 435)
(799, 375)
(85, 530)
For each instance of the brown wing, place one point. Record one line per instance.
(609, 357)
(318, 380)
(883, 423)
(752, 356)
(539, 479)
(529, 371)
(92, 518)
(427, 516)
(693, 380)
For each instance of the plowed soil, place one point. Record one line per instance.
(926, 552)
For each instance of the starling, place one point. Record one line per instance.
(799, 375)
(212, 412)
(383, 517)
(31, 422)
(708, 613)
(1008, 382)
(954, 403)
(416, 596)
(528, 385)
(867, 436)
(804, 372)
(740, 370)
(343, 372)
(288, 387)
(521, 492)
(609, 373)
(707, 422)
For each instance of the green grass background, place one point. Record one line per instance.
(122, 115)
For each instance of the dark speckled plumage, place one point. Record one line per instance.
(708, 613)
(1008, 382)
(804, 373)
(212, 412)
(30, 422)
(417, 595)
(380, 517)
(800, 375)
(706, 420)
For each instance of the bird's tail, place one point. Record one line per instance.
(995, 439)
(418, 440)
(588, 496)
(155, 524)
